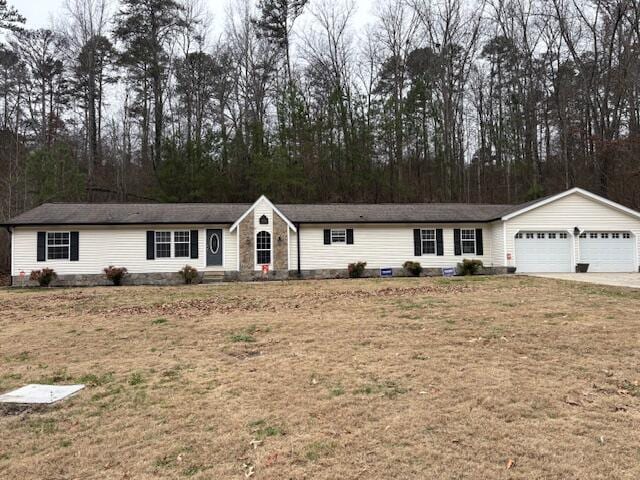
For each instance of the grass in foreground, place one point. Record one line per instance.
(408, 378)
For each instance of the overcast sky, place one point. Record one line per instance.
(39, 13)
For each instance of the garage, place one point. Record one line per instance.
(538, 252)
(608, 251)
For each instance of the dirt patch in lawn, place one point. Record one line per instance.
(503, 377)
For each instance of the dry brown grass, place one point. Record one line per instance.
(404, 378)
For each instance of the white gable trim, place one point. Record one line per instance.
(585, 193)
(250, 209)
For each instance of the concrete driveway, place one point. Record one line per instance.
(631, 280)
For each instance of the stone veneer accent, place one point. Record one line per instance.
(247, 244)
(173, 278)
(280, 244)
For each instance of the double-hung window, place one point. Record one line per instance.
(428, 240)
(339, 236)
(468, 241)
(163, 244)
(181, 242)
(58, 245)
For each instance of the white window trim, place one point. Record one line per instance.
(463, 240)
(68, 245)
(188, 242)
(156, 243)
(434, 240)
(342, 232)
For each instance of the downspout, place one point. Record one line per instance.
(298, 246)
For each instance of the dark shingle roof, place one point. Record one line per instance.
(394, 213)
(228, 213)
(130, 213)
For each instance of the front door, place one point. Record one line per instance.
(214, 247)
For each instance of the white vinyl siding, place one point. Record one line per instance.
(122, 246)
(565, 214)
(293, 250)
(380, 245)
(498, 254)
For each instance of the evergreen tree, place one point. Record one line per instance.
(146, 27)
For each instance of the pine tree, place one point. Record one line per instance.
(146, 27)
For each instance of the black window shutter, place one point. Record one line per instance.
(42, 246)
(194, 243)
(349, 236)
(327, 236)
(479, 245)
(74, 251)
(457, 242)
(151, 245)
(417, 242)
(439, 242)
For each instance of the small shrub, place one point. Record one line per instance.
(469, 267)
(188, 274)
(115, 274)
(262, 430)
(44, 277)
(414, 268)
(356, 269)
(136, 379)
(242, 337)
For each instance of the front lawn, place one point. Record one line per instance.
(487, 377)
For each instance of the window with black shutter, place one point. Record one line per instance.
(182, 244)
(58, 245)
(468, 237)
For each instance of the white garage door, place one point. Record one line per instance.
(538, 252)
(608, 251)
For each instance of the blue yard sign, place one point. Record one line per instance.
(386, 272)
(448, 272)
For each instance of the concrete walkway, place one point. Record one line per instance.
(631, 280)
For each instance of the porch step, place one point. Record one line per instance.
(212, 277)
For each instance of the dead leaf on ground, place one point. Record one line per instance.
(572, 401)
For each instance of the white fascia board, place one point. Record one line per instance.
(564, 194)
(250, 209)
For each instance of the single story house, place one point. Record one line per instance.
(242, 241)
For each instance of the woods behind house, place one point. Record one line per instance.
(445, 100)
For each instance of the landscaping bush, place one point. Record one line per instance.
(44, 277)
(469, 267)
(188, 274)
(356, 269)
(414, 268)
(115, 274)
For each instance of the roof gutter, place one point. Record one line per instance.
(106, 224)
